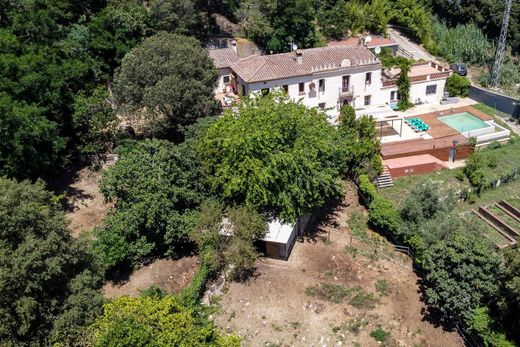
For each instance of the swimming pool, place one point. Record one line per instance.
(464, 122)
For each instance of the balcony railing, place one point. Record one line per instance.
(346, 91)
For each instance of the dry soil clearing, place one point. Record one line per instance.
(86, 208)
(170, 275)
(274, 308)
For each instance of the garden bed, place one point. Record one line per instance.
(486, 230)
(506, 218)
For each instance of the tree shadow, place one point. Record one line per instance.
(432, 315)
(61, 184)
(323, 219)
(248, 277)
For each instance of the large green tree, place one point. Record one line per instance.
(360, 144)
(155, 321)
(169, 78)
(180, 17)
(276, 24)
(49, 283)
(156, 187)
(276, 155)
(94, 122)
(462, 274)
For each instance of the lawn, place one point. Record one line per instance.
(507, 157)
(487, 230)
(512, 222)
(514, 200)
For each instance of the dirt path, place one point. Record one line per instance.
(170, 275)
(273, 309)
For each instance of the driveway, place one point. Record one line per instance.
(405, 43)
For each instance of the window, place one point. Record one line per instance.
(367, 99)
(321, 105)
(301, 88)
(431, 89)
(265, 91)
(368, 78)
(285, 88)
(345, 84)
(393, 94)
(322, 85)
(227, 79)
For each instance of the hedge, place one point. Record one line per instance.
(367, 189)
(383, 216)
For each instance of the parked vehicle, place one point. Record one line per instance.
(459, 68)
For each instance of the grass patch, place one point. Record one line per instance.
(382, 287)
(380, 335)
(358, 224)
(353, 325)
(331, 292)
(512, 222)
(484, 229)
(337, 294)
(363, 300)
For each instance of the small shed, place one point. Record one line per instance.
(279, 239)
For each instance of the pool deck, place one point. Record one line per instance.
(441, 136)
(439, 129)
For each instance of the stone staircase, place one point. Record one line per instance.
(385, 179)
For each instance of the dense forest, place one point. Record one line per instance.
(94, 77)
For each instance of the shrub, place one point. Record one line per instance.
(460, 175)
(383, 216)
(380, 335)
(367, 188)
(463, 43)
(458, 85)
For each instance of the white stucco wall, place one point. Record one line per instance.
(418, 91)
(333, 84)
(221, 73)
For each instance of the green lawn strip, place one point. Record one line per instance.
(504, 217)
(514, 201)
(494, 237)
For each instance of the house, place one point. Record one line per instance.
(222, 59)
(327, 77)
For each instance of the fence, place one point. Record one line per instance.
(379, 249)
(499, 102)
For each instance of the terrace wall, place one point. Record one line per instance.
(441, 153)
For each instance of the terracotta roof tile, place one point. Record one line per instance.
(223, 57)
(277, 66)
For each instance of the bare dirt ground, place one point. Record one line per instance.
(170, 275)
(273, 308)
(84, 203)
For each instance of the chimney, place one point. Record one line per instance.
(234, 45)
(299, 56)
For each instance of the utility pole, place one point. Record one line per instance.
(499, 56)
